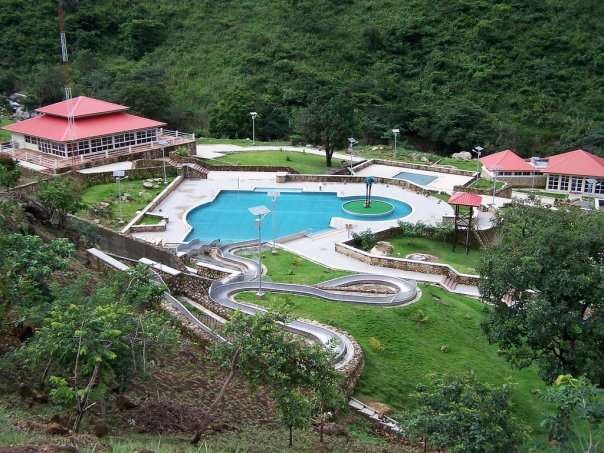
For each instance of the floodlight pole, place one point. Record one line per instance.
(395, 132)
(494, 183)
(274, 196)
(259, 293)
(162, 144)
(351, 142)
(478, 150)
(253, 115)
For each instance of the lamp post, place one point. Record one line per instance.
(351, 142)
(395, 132)
(478, 151)
(495, 170)
(259, 212)
(253, 115)
(274, 195)
(118, 175)
(162, 144)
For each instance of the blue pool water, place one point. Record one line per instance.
(227, 218)
(416, 178)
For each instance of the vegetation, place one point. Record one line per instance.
(410, 339)
(301, 377)
(61, 196)
(469, 165)
(541, 193)
(138, 197)
(376, 208)
(487, 184)
(551, 266)
(450, 75)
(443, 251)
(365, 240)
(9, 172)
(577, 421)
(460, 414)
(301, 162)
(4, 135)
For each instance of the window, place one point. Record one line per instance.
(84, 147)
(30, 139)
(576, 184)
(599, 187)
(552, 182)
(145, 136)
(564, 182)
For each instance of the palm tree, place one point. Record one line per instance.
(368, 183)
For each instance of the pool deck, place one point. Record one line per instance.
(444, 181)
(319, 248)
(192, 193)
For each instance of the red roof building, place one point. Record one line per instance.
(465, 199)
(96, 127)
(506, 161)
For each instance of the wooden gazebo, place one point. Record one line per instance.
(463, 220)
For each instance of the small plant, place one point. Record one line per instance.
(365, 240)
(444, 348)
(375, 344)
(183, 151)
(421, 317)
(288, 159)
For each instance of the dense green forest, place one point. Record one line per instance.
(450, 74)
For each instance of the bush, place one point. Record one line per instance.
(375, 344)
(183, 151)
(440, 232)
(364, 240)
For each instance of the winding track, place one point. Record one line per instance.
(222, 292)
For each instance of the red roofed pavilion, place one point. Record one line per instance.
(505, 161)
(463, 220)
(80, 130)
(465, 199)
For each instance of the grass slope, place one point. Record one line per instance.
(301, 162)
(108, 193)
(5, 135)
(443, 250)
(411, 348)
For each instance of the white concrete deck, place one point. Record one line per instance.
(126, 165)
(444, 182)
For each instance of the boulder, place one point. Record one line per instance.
(463, 155)
(57, 429)
(424, 159)
(148, 184)
(382, 248)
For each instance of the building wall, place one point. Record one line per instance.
(537, 181)
(575, 184)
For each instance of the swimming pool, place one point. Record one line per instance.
(227, 217)
(416, 178)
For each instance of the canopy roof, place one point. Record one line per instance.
(82, 106)
(465, 199)
(56, 128)
(506, 160)
(578, 163)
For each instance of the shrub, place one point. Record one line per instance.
(183, 151)
(364, 240)
(375, 344)
(440, 232)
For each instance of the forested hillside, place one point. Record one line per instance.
(451, 74)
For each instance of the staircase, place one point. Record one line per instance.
(192, 168)
(450, 283)
(480, 236)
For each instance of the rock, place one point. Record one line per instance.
(463, 155)
(57, 429)
(97, 221)
(148, 184)
(421, 257)
(102, 205)
(424, 159)
(334, 429)
(126, 196)
(124, 403)
(382, 248)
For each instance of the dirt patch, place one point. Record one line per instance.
(182, 386)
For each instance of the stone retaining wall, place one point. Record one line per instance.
(134, 173)
(345, 248)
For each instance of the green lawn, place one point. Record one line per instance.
(149, 220)
(5, 135)
(108, 193)
(301, 162)
(239, 142)
(411, 348)
(486, 184)
(469, 165)
(404, 245)
(542, 193)
(375, 208)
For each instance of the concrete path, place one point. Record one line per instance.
(126, 165)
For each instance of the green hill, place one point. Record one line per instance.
(502, 73)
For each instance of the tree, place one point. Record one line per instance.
(137, 287)
(328, 121)
(9, 172)
(577, 421)
(265, 355)
(141, 36)
(545, 280)
(460, 414)
(60, 195)
(26, 263)
(89, 344)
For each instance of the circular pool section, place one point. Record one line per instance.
(227, 217)
(377, 208)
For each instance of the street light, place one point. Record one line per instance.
(495, 170)
(118, 175)
(259, 212)
(274, 195)
(396, 132)
(162, 144)
(351, 143)
(478, 151)
(253, 115)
